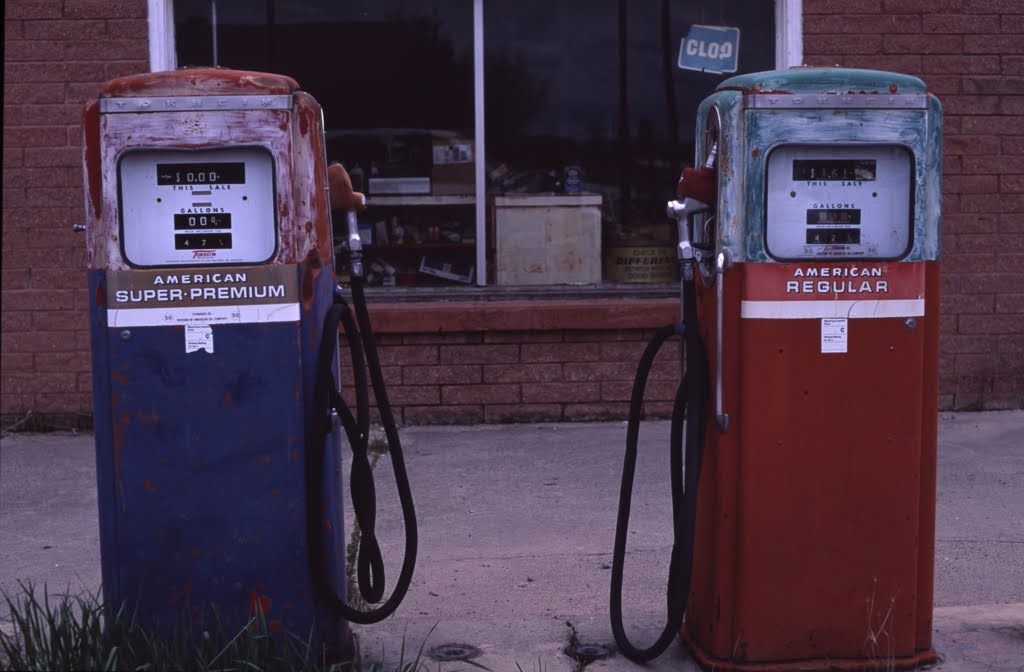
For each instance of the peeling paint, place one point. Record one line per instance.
(91, 156)
(311, 268)
(201, 81)
(754, 132)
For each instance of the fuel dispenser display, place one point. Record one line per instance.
(196, 202)
(214, 319)
(813, 251)
(848, 202)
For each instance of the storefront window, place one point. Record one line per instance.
(395, 80)
(588, 119)
(587, 96)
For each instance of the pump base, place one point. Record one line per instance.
(708, 662)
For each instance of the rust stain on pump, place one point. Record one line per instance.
(304, 120)
(259, 604)
(118, 443)
(311, 268)
(91, 150)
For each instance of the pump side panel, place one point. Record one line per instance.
(830, 490)
(207, 466)
(202, 478)
(708, 628)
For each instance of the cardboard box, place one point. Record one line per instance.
(546, 239)
(454, 167)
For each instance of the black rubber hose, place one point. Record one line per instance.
(369, 563)
(394, 448)
(690, 404)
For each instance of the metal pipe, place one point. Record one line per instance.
(721, 263)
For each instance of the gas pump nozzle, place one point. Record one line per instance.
(352, 202)
(695, 191)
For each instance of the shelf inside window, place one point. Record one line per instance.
(414, 247)
(423, 199)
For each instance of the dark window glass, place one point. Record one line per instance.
(395, 80)
(370, 64)
(588, 90)
(595, 84)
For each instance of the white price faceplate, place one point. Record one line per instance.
(207, 206)
(834, 202)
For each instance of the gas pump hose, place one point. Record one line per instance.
(691, 402)
(369, 562)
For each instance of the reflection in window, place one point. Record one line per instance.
(595, 84)
(580, 96)
(395, 80)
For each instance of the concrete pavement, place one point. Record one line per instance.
(516, 525)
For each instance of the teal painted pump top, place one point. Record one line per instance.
(824, 163)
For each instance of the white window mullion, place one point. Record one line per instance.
(789, 33)
(478, 142)
(160, 16)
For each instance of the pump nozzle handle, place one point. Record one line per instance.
(342, 195)
(344, 198)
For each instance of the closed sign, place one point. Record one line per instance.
(713, 49)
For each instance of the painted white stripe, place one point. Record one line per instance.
(162, 317)
(860, 308)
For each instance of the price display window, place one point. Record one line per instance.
(834, 202)
(209, 206)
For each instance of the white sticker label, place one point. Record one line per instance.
(834, 333)
(198, 337)
(456, 152)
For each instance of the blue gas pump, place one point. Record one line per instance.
(214, 316)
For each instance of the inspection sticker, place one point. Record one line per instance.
(834, 334)
(198, 337)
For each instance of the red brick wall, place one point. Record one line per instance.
(970, 52)
(56, 55)
(971, 55)
(503, 376)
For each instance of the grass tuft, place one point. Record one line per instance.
(72, 632)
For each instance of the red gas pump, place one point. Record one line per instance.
(810, 270)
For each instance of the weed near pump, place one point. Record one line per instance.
(64, 631)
